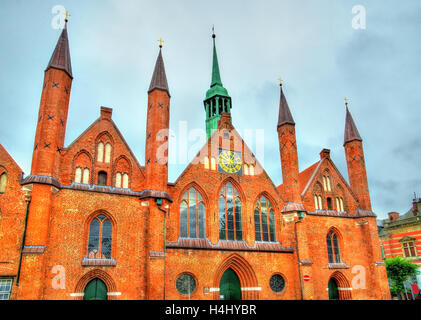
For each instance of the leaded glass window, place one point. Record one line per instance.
(277, 283)
(230, 226)
(333, 251)
(100, 238)
(5, 288)
(264, 220)
(185, 284)
(192, 215)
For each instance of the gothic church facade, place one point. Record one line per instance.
(91, 222)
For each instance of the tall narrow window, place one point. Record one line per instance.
(100, 152)
(85, 176)
(230, 227)
(125, 181)
(100, 238)
(329, 188)
(108, 153)
(246, 170)
(78, 175)
(206, 162)
(213, 164)
(264, 220)
(333, 251)
(102, 178)
(118, 180)
(324, 183)
(251, 170)
(316, 203)
(319, 198)
(329, 203)
(192, 215)
(3, 182)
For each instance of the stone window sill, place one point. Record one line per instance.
(341, 265)
(99, 262)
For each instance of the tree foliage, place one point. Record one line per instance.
(398, 271)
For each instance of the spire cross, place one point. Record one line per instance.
(67, 16)
(160, 42)
(346, 101)
(280, 81)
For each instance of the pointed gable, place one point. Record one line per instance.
(61, 55)
(104, 127)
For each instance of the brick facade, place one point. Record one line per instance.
(146, 254)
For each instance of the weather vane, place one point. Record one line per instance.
(160, 42)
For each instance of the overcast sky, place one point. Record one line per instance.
(312, 45)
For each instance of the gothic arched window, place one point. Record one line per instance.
(3, 182)
(192, 215)
(333, 251)
(100, 237)
(100, 152)
(230, 214)
(102, 178)
(264, 220)
(78, 175)
(108, 149)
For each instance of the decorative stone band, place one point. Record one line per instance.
(81, 294)
(94, 188)
(156, 254)
(359, 213)
(242, 289)
(205, 244)
(380, 263)
(341, 289)
(77, 294)
(33, 249)
(99, 262)
(338, 266)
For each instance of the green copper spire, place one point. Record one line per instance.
(217, 100)
(216, 77)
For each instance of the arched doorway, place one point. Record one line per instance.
(230, 286)
(95, 290)
(333, 289)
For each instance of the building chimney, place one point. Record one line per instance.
(393, 216)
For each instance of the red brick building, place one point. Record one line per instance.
(400, 235)
(91, 222)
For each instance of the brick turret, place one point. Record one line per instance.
(288, 149)
(53, 110)
(157, 126)
(355, 162)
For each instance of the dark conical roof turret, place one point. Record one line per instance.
(285, 115)
(159, 78)
(61, 55)
(351, 131)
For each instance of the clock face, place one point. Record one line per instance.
(230, 162)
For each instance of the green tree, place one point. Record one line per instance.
(398, 271)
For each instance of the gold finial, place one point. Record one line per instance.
(160, 42)
(280, 81)
(346, 101)
(67, 16)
